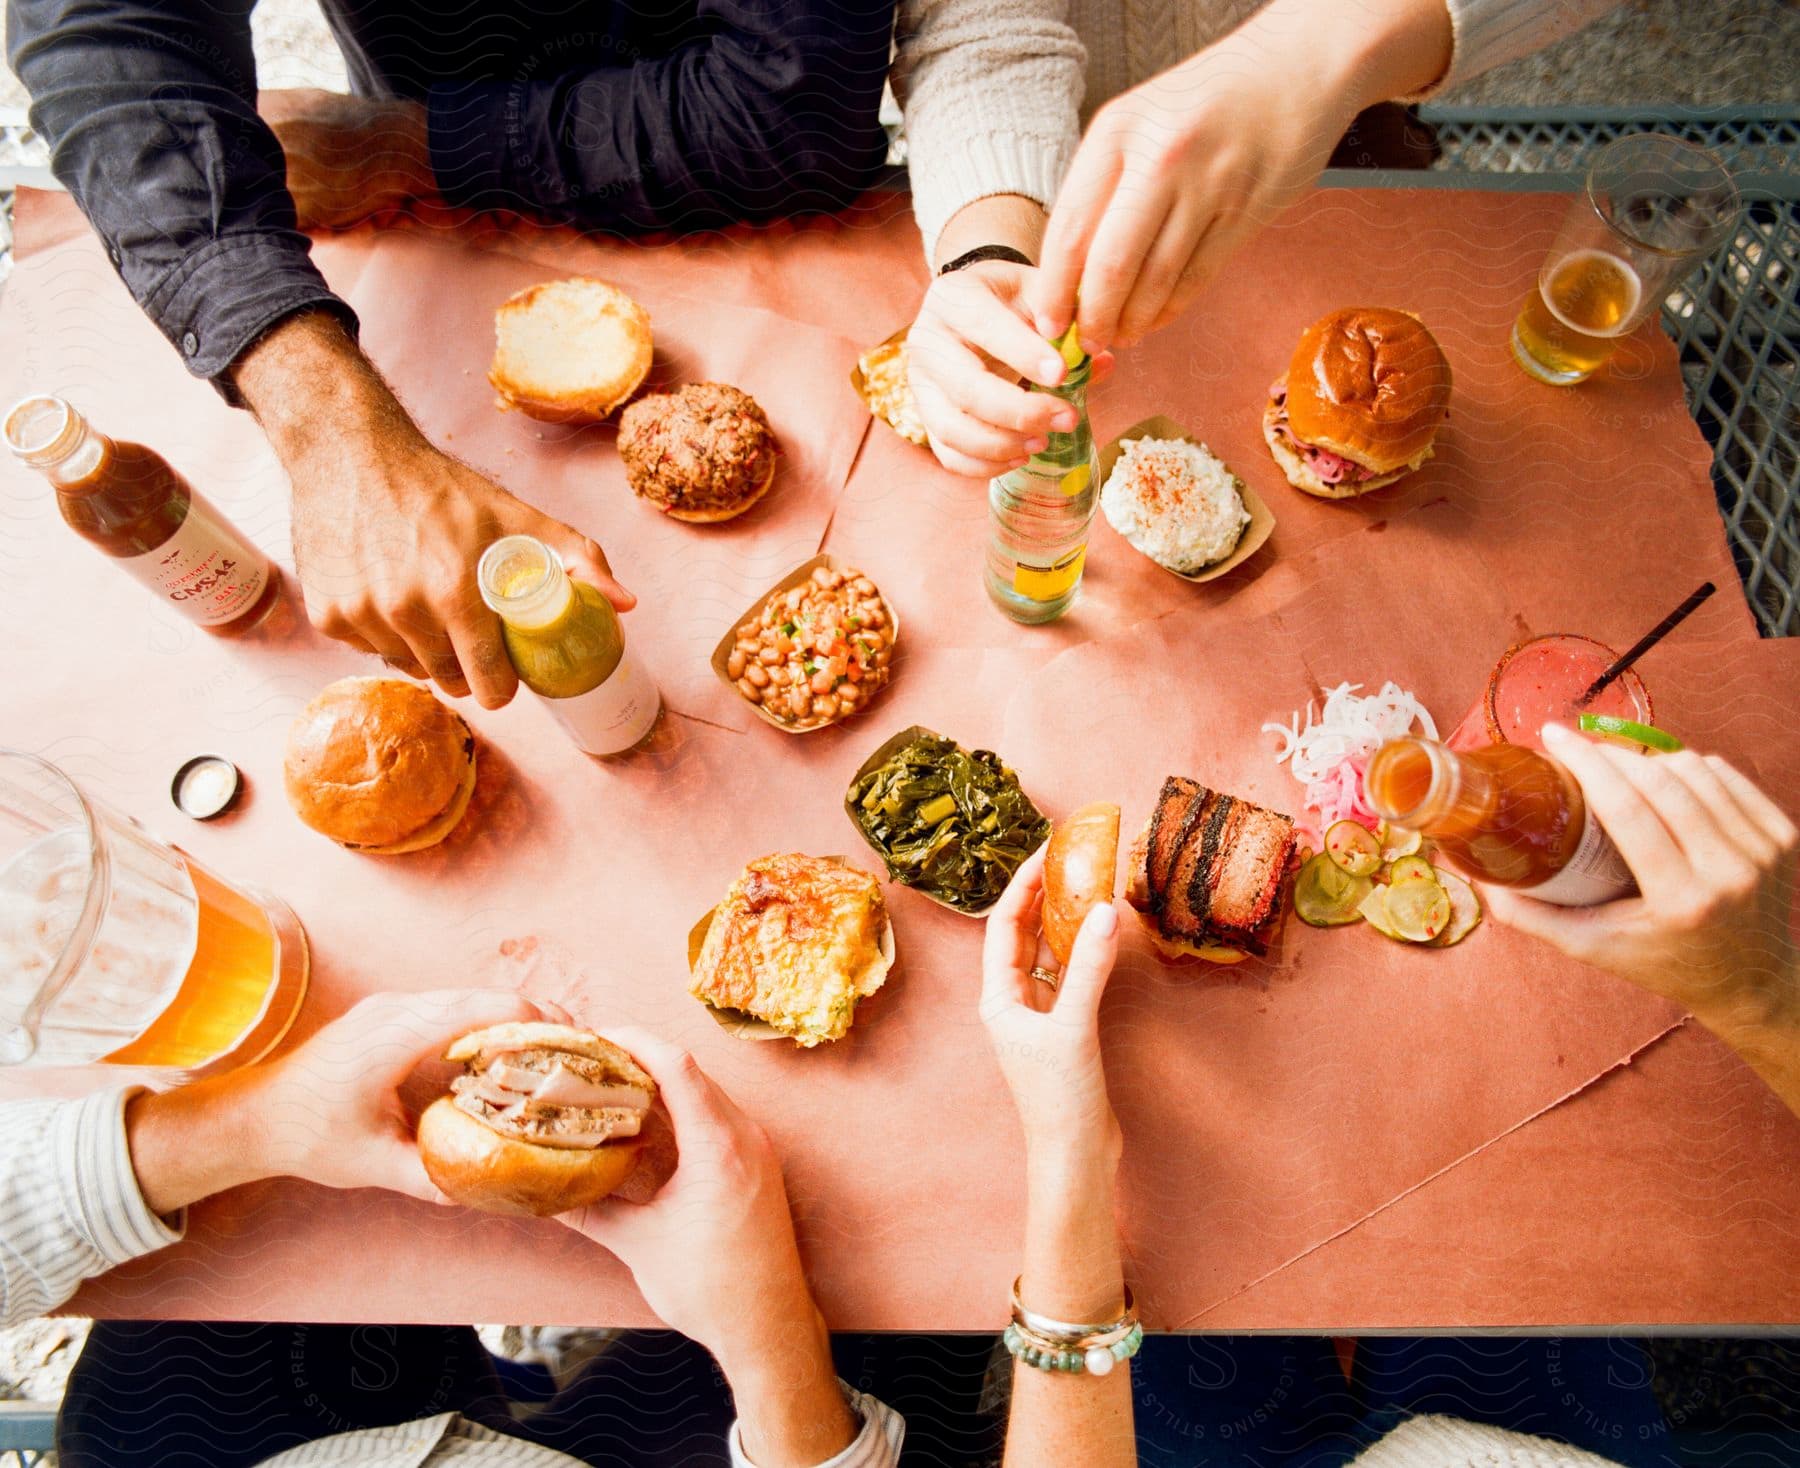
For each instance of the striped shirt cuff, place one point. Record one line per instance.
(876, 1446)
(100, 1192)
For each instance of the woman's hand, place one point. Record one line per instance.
(1712, 927)
(715, 1257)
(1175, 174)
(1046, 1040)
(972, 342)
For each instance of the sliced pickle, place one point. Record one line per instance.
(1465, 909)
(1411, 869)
(1419, 910)
(1325, 896)
(1397, 841)
(1353, 848)
(1374, 912)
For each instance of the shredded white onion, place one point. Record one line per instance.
(1329, 754)
(1347, 727)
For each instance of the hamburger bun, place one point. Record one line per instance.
(1370, 385)
(569, 351)
(549, 1157)
(1300, 474)
(379, 765)
(702, 454)
(1079, 871)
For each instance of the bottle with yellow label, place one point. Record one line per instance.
(564, 638)
(1039, 513)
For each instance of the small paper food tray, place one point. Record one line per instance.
(878, 758)
(748, 1027)
(1262, 522)
(722, 653)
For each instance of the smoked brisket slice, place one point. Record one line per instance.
(1166, 826)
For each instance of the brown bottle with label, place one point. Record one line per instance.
(127, 500)
(1504, 814)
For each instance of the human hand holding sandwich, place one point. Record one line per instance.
(1712, 924)
(715, 1256)
(328, 1111)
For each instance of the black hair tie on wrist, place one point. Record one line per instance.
(986, 252)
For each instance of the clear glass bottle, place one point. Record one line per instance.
(130, 504)
(1038, 517)
(564, 638)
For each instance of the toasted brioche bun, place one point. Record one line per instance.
(478, 1045)
(1300, 475)
(476, 1166)
(1369, 384)
(712, 517)
(1080, 869)
(379, 765)
(569, 351)
(1137, 893)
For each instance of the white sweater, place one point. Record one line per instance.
(993, 91)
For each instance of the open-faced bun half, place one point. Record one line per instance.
(1370, 384)
(569, 351)
(1080, 869)
(496, 1143)
(379, 765)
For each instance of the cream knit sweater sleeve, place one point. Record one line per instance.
(1447, 1442)
(992, 90)
(991, 93)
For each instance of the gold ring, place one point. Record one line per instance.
(1044, 976)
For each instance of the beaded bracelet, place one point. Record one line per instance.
(1060, 1345)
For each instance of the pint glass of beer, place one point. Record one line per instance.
(1653, 206)
(115, 947)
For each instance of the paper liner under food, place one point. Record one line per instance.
(860, 382)
(1262, 521)
(722, 653)
(748, 1027)
(880, 757)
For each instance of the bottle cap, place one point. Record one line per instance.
(206, 786)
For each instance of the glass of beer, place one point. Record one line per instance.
(1652, 207)
(115, 947)
(1541, 681)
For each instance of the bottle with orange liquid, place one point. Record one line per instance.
(128, 502)
(117, 947)
(1504, 814)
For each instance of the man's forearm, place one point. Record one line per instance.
(308, 383)
(1763, 1026)
(791, 1409)
(197, 1140)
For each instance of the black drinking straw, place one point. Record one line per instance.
(1649, 640)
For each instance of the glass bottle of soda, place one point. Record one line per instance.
(564, 638)
(128, 502)
(1504, 814)
(1039, 514)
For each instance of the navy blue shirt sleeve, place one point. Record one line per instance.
(772, 109)
(149, 107)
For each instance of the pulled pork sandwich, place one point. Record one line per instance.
(544, 1118)
(702, 453)
(1208, 873)
(1360, 404)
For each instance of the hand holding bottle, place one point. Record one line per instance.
(1715, 862)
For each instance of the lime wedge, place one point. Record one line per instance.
(1069, 345)
(1630, 732)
